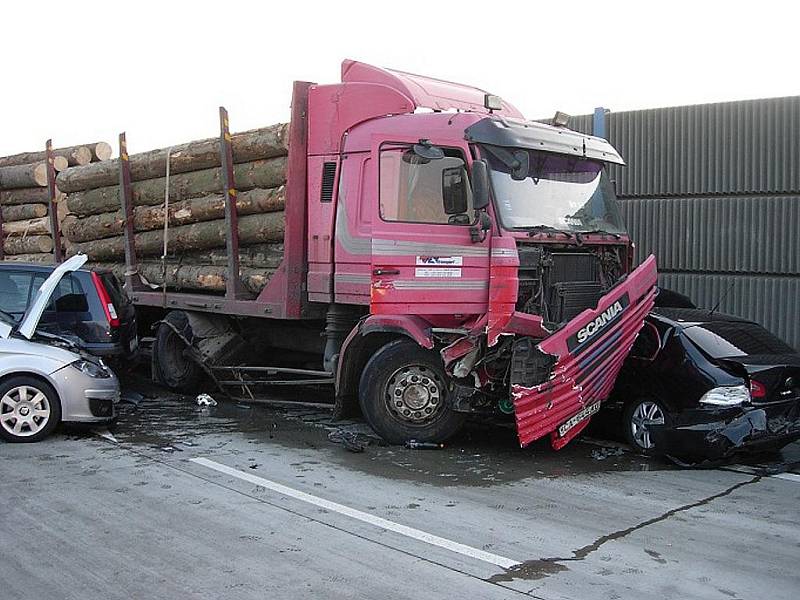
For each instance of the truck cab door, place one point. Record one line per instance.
(424, 260)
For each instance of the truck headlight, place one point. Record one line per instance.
(92, 369)
(734, 395)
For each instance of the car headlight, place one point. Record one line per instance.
(92, 369)
(726, 396)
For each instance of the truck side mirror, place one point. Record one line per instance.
(480, 185)
(455, 190)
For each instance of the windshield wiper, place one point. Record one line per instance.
(534, 229)
(603, 231)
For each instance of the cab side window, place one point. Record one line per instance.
(419, 190)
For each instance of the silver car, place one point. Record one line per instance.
(45, 379)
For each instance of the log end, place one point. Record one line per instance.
(102, 151)
(40, 175)
(59, 164)
(82, 155)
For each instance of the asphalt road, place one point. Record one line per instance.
(176, 501)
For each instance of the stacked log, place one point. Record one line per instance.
(25, 200)
(195, 216)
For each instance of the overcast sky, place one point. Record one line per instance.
(84, 70)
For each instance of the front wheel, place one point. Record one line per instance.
(29, 409)
(403, 394)
(638, 419)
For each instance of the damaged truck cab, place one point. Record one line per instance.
(489, 250)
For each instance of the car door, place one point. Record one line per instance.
(424, 260)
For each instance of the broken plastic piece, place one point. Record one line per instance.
(205, 400)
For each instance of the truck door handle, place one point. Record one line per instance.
(386, 271)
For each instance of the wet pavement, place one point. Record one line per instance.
(243, 500)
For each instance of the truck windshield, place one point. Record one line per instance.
(557, 192)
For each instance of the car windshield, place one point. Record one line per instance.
(8, 318)
(557, 192)
(724, 339)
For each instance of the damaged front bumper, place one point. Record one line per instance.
(556, 383)
(714, 434)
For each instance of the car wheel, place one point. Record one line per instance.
(403, 394)
(638, 419)
(29, 409)
(176, 369)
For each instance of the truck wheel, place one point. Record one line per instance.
(176, 369)
(403, 394)
(29, 409)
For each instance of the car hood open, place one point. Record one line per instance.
(30, 320)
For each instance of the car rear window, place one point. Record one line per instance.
(721, 339)
(115, 292)
(15, 291)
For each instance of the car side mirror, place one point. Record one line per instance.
(480, 185)
(455, 190)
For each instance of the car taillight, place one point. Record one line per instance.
(757, 389)
(105, 300)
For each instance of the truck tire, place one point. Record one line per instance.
(403, 395)
(176, 369)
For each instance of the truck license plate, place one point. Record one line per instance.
(574, 420)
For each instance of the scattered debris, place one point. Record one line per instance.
(205, 400)
(131, 397)
(415, 445)
(243, 406)
(606, 452)
(253, 466)
(348, 439)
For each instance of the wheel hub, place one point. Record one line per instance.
(24, 410)
(644, 417)
(413, 394)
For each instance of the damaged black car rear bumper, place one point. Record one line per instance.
(716, 433)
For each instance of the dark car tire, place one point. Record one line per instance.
(403, 395)
(176, 370)
(44, 425)
(632, 415)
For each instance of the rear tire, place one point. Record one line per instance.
(176, 369)
(403, 395)
(29, 409)
(638, 417)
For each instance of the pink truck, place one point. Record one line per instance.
(443, 257)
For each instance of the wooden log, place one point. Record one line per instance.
(39, 257)
(22, 212)
(202, 154)
(31, 244)
(146, 218)
(266, 227)
(191, 277)
(255, 256)
(266, 173)
(33, 195)
(100, 151)
(37, 226)
(74, 155)
(23, 176)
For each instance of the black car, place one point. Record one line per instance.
(699, 384)
(89, 308)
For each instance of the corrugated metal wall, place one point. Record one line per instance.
(714, 192)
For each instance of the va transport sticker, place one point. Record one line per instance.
(455, 261)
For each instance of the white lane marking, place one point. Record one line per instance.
(358, 515)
